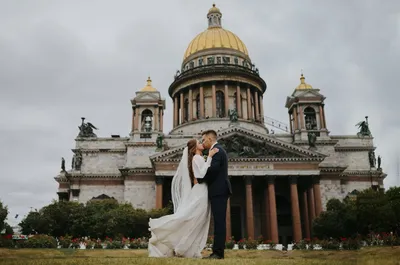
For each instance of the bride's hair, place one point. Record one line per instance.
(192, 146)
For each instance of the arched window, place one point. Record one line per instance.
(235, 101)
(186, 110)
(198, 106)
(220, 104)
(310, 118)
(147, 120)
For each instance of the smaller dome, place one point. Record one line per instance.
(214, 9)
(303, 84)
(148, 87)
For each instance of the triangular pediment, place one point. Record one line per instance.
(242, 143)
(147, 96)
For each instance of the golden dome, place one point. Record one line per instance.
(303, 84)
(215, 37)
(148, 87)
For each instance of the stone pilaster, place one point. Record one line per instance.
(176, 114)
(226, 95)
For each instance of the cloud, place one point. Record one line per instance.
(64, 60)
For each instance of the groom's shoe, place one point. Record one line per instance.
(214, 256)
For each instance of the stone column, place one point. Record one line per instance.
(249, 207)
(136, 119)
(176, 114)
(272, 210)
(257, 110)
(305, 215)
(296, 221)
(311, 205)
(295, 119)
(182, 108)
(301, 114)
(214, 101)
(228, 220)
(201, 102)
(317, 196)
(322, 117)
(226, 94)
(261, 109)
(156, 119)
(161, 120)
(238, 101)
(133, 120)
(291, 123)
(249, 112)
(190, 104)
(267, 213)
(159, 191)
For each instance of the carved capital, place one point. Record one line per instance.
(293, 179)
(159, 180)
(248, 180)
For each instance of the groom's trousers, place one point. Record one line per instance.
(218, 209)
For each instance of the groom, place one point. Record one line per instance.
(219, 190)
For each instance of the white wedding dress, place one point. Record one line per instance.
(185, 232)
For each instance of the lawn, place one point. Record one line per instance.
(366, 256)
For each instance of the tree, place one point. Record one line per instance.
(374, 213)
(3, 215)
(339, 220)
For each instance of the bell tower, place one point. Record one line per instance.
(306, 112)
(147, 113)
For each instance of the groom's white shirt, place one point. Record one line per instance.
(213, 145)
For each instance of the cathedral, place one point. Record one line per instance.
(280, 181)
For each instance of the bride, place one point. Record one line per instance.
(184, 233)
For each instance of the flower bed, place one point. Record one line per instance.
(44, 241)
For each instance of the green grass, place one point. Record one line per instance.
(366, 256)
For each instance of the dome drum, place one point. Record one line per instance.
(230, 72)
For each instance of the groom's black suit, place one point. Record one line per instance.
(219, 190)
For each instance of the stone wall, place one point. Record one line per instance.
(87, 192)
(141, 194)
(102, 162)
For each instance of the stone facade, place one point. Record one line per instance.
(280, 182)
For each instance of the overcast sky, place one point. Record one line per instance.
(61, 60)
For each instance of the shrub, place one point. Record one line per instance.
(301, 245)
(65, 242)
(6, 242)
(351, 243)
(241, 243)
(230, 243)
(330, 244)
(251, 244)
(38, 241)
(75, 243)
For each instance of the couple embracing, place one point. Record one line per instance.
(200, 187)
